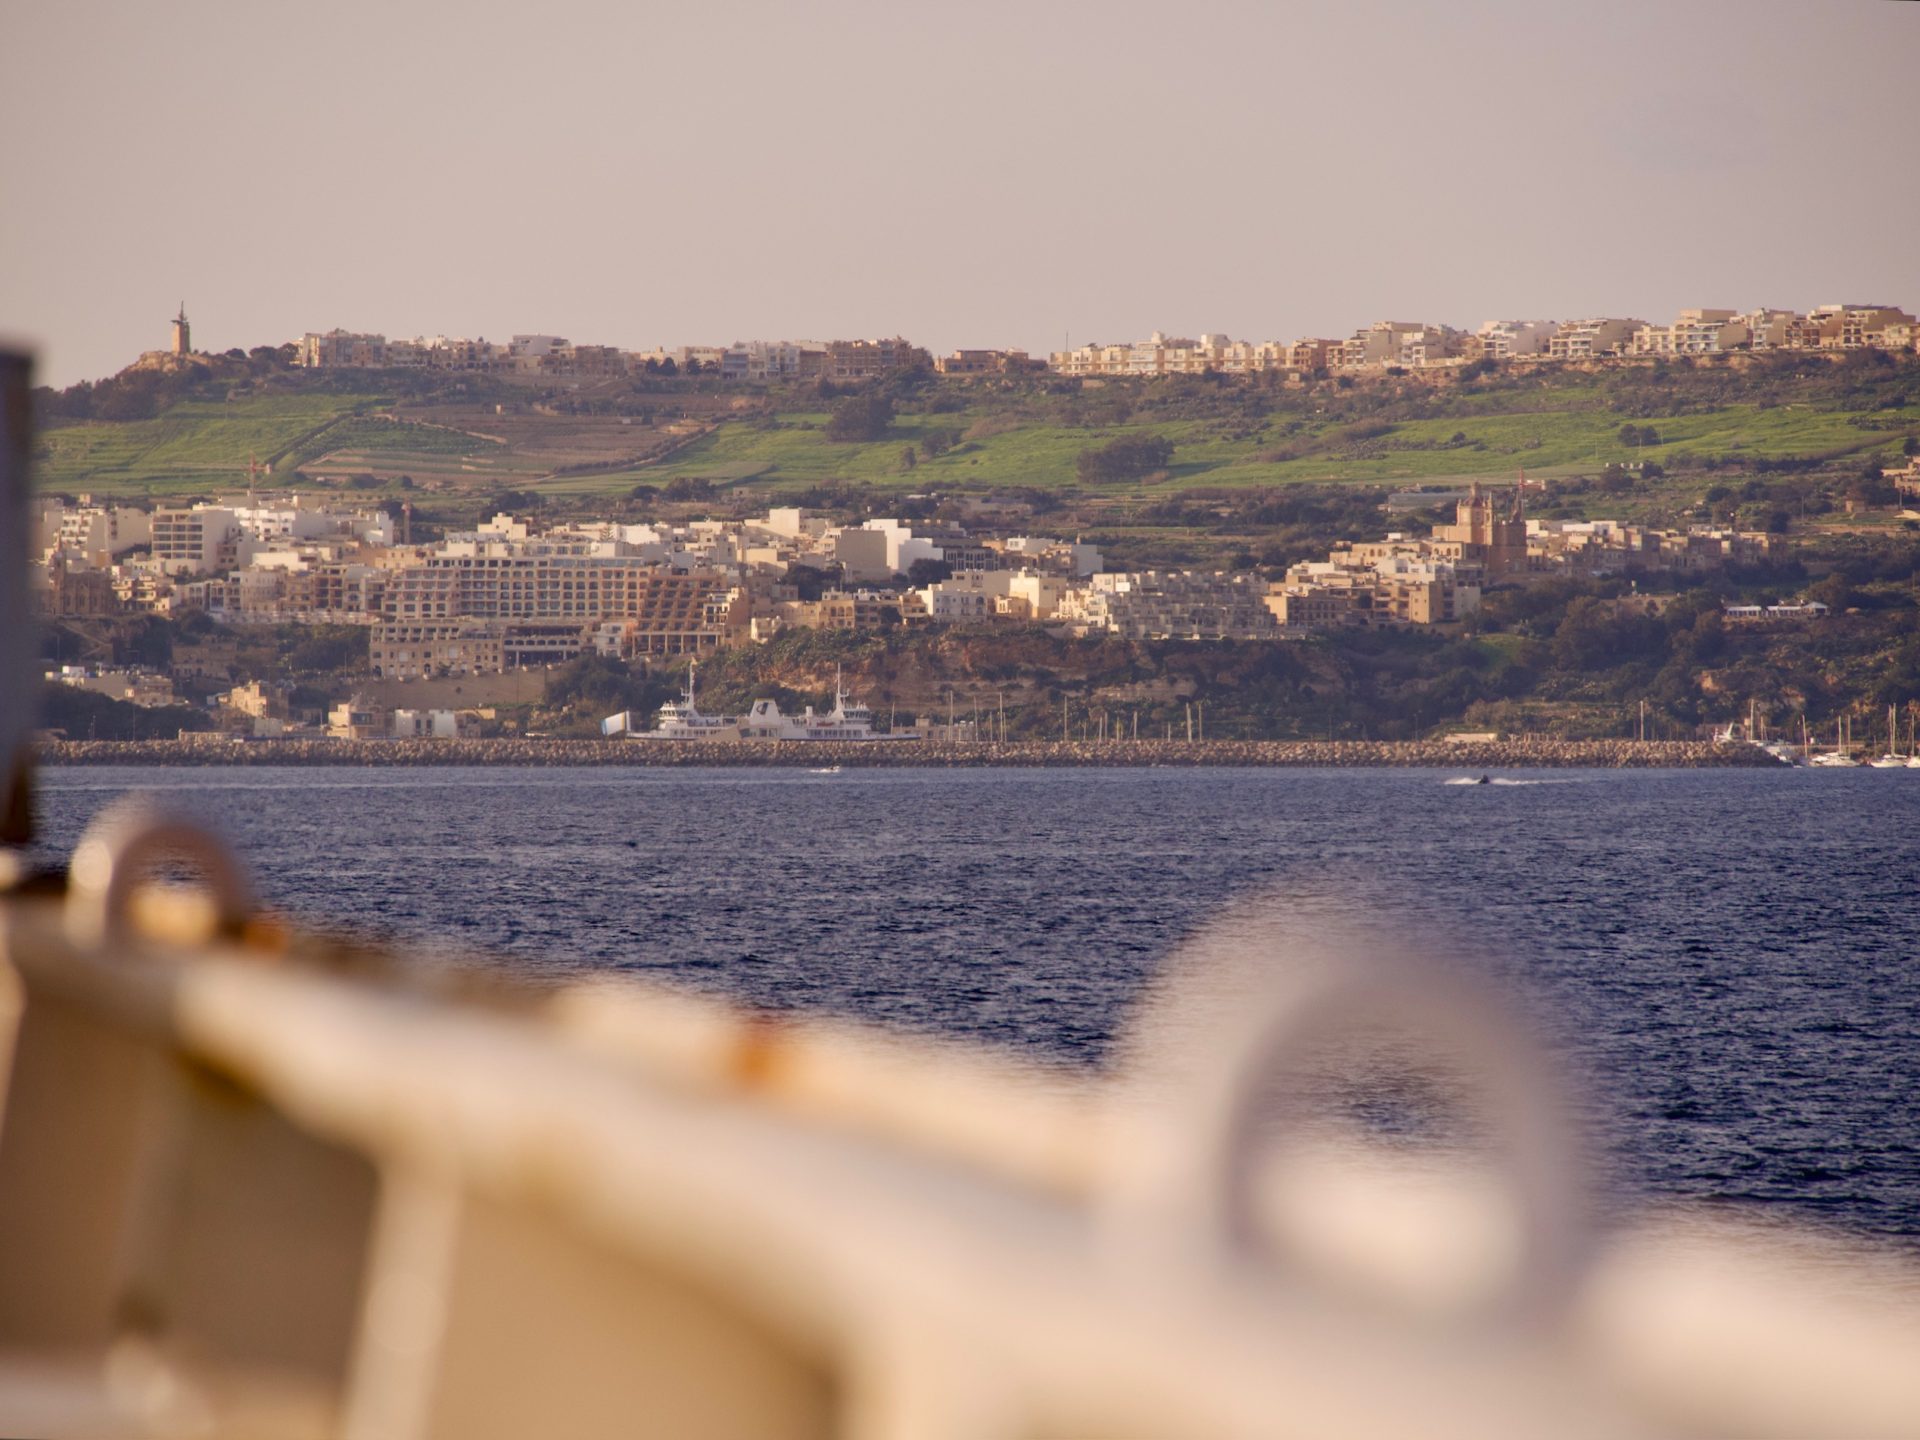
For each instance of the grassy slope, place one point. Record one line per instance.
(1563, 427)
(192, 445)
(1545, 442)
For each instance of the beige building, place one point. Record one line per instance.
(1695, 332)
(416, 649)
(1482, 537)
(988, 362)
(1308, 605)
(1594, 339)
(1172, 605)
(197, 540)
(1516, 339)
(869, 359)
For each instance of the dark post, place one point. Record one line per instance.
(17, 687)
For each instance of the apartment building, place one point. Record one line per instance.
(195, 540)
(1319, 604)
(1377, 346)
(1594, 339)
(1779, 330)
(987, 362)
(1422, 592)
(1854, 327)
(92, 531)
(1160, 354)
(530, 586)
(1515, 339)
(852, 360)
(1695, 332)
(1307, 356)
(336, 348)
(968, 595)
(773, 360)
(1172, 605)
(416, 649)
(545, 607)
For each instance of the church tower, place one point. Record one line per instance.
(182, 335)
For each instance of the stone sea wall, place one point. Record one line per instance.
(1505, 754)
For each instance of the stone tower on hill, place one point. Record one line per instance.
(182, 334)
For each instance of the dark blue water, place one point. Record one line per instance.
(1735, 956)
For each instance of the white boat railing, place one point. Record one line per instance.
(259, 1186)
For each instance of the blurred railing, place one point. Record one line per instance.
(258, 1186)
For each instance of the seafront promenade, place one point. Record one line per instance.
(1492, 755)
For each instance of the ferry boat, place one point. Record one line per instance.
(848, 721)
(681, 720)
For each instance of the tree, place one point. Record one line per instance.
(808, 580)
(860, 418)
(907, 460)
(1128, 458)
(687, 487)
(925, 572)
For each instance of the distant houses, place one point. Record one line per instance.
(1417, 345)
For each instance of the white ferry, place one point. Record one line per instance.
(848, 721)
(681, 720)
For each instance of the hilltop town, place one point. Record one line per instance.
(1385, 344)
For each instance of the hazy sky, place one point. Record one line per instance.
(963, 174)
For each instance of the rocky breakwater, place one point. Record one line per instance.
(1489, 755)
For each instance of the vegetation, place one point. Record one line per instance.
(83, 715)
(1132, 457)
(177, 430)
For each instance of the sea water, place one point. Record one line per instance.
(1731, 958)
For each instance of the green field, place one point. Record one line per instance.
(194, 445)
(794, 450)
(1224, 436)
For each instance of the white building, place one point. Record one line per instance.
(1505, 339)
(194, 541)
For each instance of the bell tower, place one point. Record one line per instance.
(182, 333)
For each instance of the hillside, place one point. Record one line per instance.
(474, 436)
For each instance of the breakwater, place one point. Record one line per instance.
(1487, 755)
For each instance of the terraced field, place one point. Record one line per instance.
(1561, 424)
(794, 448)
(192, 446)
